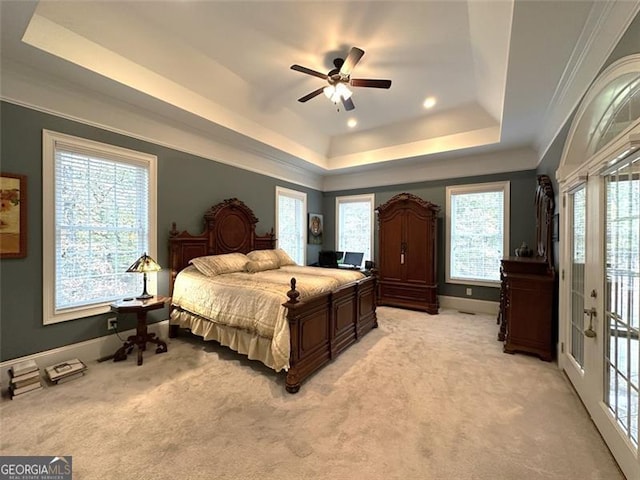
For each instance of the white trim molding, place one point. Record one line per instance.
(607, 23)
(505, 188)
(469, 305)
(96, 349)
(50, 142)
(362, 198)
(296, 195)
(576, 158)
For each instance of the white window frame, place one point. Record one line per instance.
(50, 142)
(366, 197)
(505, 188)
(287, 192)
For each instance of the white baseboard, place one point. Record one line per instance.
(87, 351)
(469, 305)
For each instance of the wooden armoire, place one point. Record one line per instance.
(407, 256)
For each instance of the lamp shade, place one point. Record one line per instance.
(144, 264)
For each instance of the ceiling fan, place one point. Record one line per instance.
(339, 78)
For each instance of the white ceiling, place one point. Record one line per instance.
(505, 75)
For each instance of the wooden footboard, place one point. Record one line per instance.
(325, 325)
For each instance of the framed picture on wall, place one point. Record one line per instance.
(315, 229)
(13, 215)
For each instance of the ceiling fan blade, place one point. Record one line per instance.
(348, 104)
(369, 82)
(309, 96)
(308, 71)
(355, 54)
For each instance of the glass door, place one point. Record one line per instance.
(599, 301)
(622, 301)
(577, 219)
(580, 341)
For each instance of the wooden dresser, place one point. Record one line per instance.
(407, 253)
(527, 314)
(527, 306)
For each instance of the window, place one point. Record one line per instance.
(354, 224)
(291, 212)
(99, 216)
(477, 229)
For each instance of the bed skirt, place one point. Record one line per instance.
(241, 341)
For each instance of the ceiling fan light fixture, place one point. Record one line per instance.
(337, 92)
(343, 91)
(329, 91)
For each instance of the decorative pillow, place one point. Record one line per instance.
(213, 265)
(284, 258)
(259, 255)
(254, 266)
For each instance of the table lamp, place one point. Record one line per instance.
(143, 265)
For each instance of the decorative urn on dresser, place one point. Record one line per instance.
(407, 253)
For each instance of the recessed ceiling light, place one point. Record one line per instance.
(352, 122)
(429, 102)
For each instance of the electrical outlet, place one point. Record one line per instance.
(112, 323)
(469, 291)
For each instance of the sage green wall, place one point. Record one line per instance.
(187, 187)
(522, 218)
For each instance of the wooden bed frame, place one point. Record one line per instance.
(321, 327)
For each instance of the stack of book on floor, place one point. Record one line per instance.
(65, 371)
(25, 378)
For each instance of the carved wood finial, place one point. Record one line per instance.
(405, 197)
(293, 294)
(232, 203)
(174, 231)
(545, 206)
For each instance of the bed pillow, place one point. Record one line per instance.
(278, 255)
(284, 258)
(254, 266)
(260, 255)
(213, 265)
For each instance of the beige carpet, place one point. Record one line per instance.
(421, 397)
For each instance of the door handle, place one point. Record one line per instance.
(592, 312)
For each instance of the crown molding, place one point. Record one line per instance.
(24, 86)
(494, 162)
(606, 24)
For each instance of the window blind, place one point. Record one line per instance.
(291, 224)
(101, 227)
(355, 226)
(477, 235)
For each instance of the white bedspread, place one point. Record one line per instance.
(252, 302)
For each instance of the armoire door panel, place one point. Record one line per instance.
(390, 257)
(417, 253)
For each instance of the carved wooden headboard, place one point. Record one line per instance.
(545, 206)
(229, 226)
